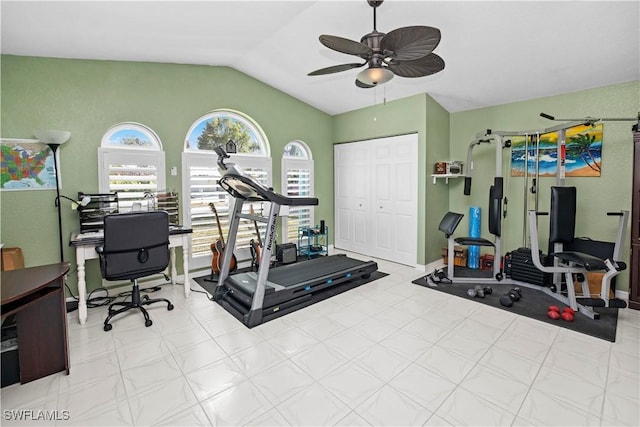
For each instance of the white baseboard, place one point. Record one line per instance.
(431, 266)
(623, 295)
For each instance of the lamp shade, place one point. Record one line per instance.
(52, 137)
(374, 76)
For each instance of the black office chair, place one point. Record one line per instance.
(135, 245)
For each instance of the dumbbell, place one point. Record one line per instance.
(479, 291)
(554, 313)
(510, 297)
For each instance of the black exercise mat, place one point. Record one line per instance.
(534, 304)
(209, 285)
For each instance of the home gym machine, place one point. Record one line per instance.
(451, 220)
(257, 298)
(562, 225)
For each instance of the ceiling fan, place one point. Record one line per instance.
(404, 52)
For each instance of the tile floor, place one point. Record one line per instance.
(387, 353)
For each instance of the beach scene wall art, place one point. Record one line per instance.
(583, 146)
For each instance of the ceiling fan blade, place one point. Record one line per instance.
(363, 85)
(335, 69)
(409, 43)
(350, 47)
(421, 67)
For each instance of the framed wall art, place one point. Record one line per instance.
(583, 146)
(26, 164)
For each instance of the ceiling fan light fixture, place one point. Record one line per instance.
(375, 76)
(404, 52)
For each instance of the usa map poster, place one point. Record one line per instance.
(26, 164)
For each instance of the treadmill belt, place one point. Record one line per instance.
(294, 274)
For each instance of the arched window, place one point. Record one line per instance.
(229, 129)
(200, 179)
(297, 180)
(132, 164)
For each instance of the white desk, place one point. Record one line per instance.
(86, 243)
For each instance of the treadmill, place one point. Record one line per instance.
(257, 297)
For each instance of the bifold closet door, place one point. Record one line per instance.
(376, 197)
(352, 197)
(394, 199)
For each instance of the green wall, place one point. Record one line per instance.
(596, 196)
(88, 97)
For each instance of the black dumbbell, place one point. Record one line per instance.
(510, 297)
(516, 293)
(506, 300)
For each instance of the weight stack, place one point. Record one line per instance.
(519, 266)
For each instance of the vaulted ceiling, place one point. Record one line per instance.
(495, 52)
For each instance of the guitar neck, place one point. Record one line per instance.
(215, 212)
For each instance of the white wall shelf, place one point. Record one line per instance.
(446, 176)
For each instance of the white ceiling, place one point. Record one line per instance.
(495, 52)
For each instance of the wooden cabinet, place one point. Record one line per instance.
(634, 288)
(36, 296)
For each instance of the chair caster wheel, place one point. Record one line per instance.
(107, 327)
(170, 307)
(148, 323)
(145, 297)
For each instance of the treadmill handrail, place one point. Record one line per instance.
(246, 188)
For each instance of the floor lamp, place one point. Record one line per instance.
(54, 139)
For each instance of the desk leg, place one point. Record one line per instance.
(82, 286)
(174, 271)
(185, 264)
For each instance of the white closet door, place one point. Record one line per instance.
(352, 197)
(395, 199)
(376, 198)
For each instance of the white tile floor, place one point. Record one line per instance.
(387, 353)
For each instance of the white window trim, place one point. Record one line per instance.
(249, 122)
(153, 137)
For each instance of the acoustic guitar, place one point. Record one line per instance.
(218, 248)
(256, 247)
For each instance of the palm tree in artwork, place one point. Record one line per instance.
(580, 146)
